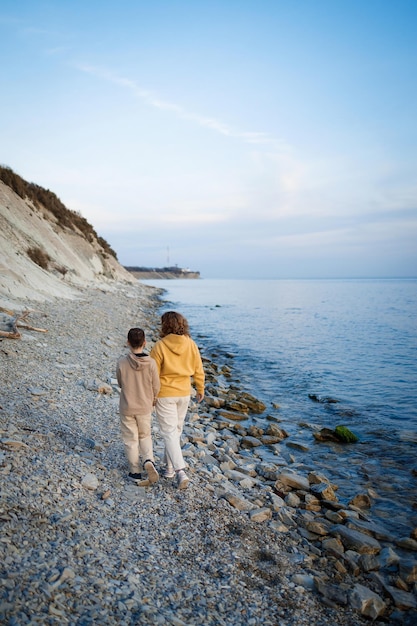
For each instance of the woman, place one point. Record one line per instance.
(178, 359)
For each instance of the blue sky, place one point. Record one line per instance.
(239, 138)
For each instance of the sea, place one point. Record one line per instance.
(322, 353)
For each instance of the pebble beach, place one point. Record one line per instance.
(246, 543)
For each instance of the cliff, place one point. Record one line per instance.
(47, 250)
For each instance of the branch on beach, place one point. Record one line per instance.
(18, 321)
(38, 330)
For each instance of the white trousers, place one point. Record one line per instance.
(171, 414)
(137, 439)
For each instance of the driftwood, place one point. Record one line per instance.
(27, 327)
(18, 321)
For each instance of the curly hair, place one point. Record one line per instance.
(174, 323)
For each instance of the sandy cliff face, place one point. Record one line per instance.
(73, 262)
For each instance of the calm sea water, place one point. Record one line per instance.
(353, 341)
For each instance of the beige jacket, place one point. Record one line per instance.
(138, 379)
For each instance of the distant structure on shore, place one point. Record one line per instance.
(162, 272)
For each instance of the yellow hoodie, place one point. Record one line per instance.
(178, 359)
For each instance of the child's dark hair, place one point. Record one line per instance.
(136, 337)
(175, 323)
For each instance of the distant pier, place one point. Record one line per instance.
(162, 272)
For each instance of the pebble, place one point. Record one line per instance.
(249, 542)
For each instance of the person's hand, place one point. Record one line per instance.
(199, 397)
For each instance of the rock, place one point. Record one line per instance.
(366, 602)
(260, 515)
(37, 391)
(399, 583)
(334, 517)
(277, 502)
(239, 502)
(407, 543)
(364, 544)
(324, 492)
(292, 500)
(370, 528)
(267, 471)
(255, 431)
(90, 481)
(408, 570)
(348, 514)
(333, 545)
(312, 503)
(297, 445)
(362, 501)
(326, 434)
(276, 431)
(369, 562)
(99, 386)
(315, 478)
(403, 600)
(235, 405)
(255, 405)
(295, 481)
(270, 440)
(67, 574)
(232, 415)
(345, 435)
(332, 594)
(250, 442)
(247, 483)
(388, 557)
(214, 402)
(322, 399)
(305, 580)
(351, 560)
(13, 444)
(318, 527)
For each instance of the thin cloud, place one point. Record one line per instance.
(153, 100)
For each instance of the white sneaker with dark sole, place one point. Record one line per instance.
(151, 471)
(182, 479)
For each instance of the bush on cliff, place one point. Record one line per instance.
(46, 198)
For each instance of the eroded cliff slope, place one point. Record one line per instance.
(44, 256)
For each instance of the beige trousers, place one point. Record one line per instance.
(137, 439)
(171, 414)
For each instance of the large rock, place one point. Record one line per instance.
(367, 602)
(232, 415)
(354, 540)
(324, 491)
(253, 404)
(295, 481)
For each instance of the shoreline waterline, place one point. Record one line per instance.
(385, 455)
(75, 528)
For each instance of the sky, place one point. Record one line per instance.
(242, 139)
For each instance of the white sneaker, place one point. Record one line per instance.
(150, 469)
(182, 479)
(169, 472)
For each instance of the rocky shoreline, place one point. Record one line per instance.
(249, 542)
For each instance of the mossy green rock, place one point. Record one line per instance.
(345, 434)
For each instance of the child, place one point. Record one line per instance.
(178, 360)
(138, 379)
